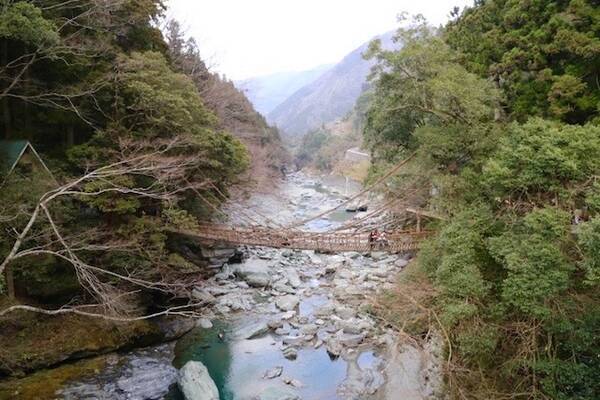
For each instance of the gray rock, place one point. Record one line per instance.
(284, 330)
(325, 310)
(378, 255)
(293, 278)
(345, 312)
(255, 272)
(236, 301)
(204, 323)
(294, 340)
(334, 347)
(360, 383)
(288, 315)
(292, 382)
(175, 327)
(275, 323)
(287, 302)
(252, 330)
(218, 290)
(273, 373)
(291, 353)
(203, 295)
(401, 263)
(195, 382)
(353, 325)
(287, 253)
(283, 288)
(309, 329)
(148, 381)
(345, 274)
(350, 340)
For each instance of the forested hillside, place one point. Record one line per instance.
(328, 98)
(139, 137)
(324, 149)
(502, 108)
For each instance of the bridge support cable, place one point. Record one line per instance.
(356, 196)
(356, 223)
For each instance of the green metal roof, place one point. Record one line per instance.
(10, 152)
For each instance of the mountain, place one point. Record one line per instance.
(329, 97)
(267, 92)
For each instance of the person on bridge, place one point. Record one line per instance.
(373, 237)
(382, 239)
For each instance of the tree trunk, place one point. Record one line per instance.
(5, 105)
(10, 282)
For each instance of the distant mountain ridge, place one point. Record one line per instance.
(267, 92)
(329, 97)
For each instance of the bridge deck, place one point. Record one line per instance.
(397, 241)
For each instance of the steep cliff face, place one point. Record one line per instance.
(329, 97)
(235, 113)
(238, 116)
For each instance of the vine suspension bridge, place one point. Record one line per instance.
(353, 236)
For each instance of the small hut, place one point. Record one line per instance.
(21, 170)
(19, 156)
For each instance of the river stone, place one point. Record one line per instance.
(236, 301)
(345, 312)
(401, 263)
(275, 323)
(284, 330)
(148, 381)
(283, 288)
(203, 296)
(195, 382)
(174, 327)
(350, 340)
(255, 272)
(353, 325)
(204, 323)
(288, 315)
(360, 382)
(273, 373)
(292, 382)
(309, 329)
(325, 310)
(287, 302)
(287, 253)
(334, 348)
(291, 353)
(293, 278)
(294, 340)
(252, 330)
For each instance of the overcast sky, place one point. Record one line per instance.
(247, 38)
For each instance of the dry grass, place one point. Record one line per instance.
(412, 310)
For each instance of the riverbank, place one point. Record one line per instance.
(279, 323)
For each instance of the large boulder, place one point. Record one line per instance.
(252, 330)
(287, 303)
(195, 382)
(255, 272)
(293, 278)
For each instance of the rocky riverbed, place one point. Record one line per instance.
(279, 325)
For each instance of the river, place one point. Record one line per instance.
(283, 324)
